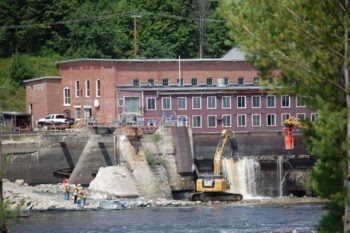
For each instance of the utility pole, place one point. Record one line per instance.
(135, 35)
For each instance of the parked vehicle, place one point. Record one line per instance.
(56, 119)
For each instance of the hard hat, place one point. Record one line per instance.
(79, 185)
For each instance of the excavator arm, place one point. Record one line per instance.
(226, 137)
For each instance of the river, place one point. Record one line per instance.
(224, 219)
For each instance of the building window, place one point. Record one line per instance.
(241, 102)
(98, 88)
(196, 103)
(211, 102)
(226, 120)
(314, 117)
(301, 116)
(300, 102)
(87, 112)
(166, 103)
(271, 101)
(151, 103)
(66, 96)
(197, 121)
(180, 82)
(256, 120)
(87, 88)
(284, 117)
(271, 119)
(151, 82)
(77, 112)
(285, 101)
(182, 121)
(209, 81)
(131, 105)
(256, 80)
(226, 80)
(241, 81)
(256, 101)
(226, 102)
(212, 121)
(241, 120)
(194, 82)
(165, 82)
(136, 83)
(182, 103)
(77, 91)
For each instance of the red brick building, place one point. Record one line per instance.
(206, 94)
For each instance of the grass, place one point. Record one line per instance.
(12, 95)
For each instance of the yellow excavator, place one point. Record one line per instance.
(214, 187)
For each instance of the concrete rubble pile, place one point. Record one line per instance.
(113, 182)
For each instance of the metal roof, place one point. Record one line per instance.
(15, 113)
(235, 54)
(41, 78)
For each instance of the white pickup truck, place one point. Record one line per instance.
(55, 119)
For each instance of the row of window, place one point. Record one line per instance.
(256, 119)
(225, 102)
(66, 91)
(87, 88)
(194, 81)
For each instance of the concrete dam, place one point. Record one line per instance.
(264, 168)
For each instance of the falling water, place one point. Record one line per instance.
(280, 174)
(242, 175)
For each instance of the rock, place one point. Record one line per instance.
(115, 181)
(19, 182)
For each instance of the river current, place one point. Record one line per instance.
(221, 219)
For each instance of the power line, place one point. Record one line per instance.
(106, 17)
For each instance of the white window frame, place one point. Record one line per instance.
(178, 117)
(216, 119)
(267, 119)
(164, 98)
(200, 102)
(289, 100)
(222, 102)
(222, 123)
(178, 103)
(155, 103)
(245, 120)
(259, 115)
(303, 114)
(98, 89)
(66, 99)
(297, 99)
(77, 87)
(209, 97)
(87, 89)
(282, 118)
(245, 102)
(75, 111)
(314, 114)
(253, 101)
(200, 117)
(87, 107)
(124, 107)
(267, 101)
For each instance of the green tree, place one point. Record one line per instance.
(307, 41)
(20, 71)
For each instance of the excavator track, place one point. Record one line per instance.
(208, 196)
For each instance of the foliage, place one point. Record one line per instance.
(156, 137)
(301, 42)
(12, 95)
(20, 71)
(104, 29)
(150, 157)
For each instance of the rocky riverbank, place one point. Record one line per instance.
(50, 197)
